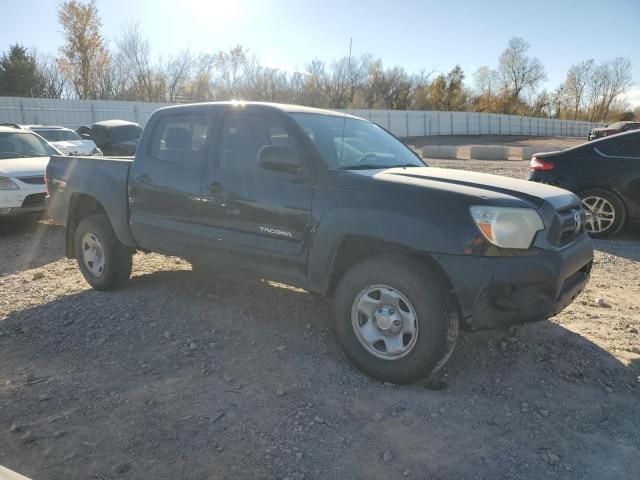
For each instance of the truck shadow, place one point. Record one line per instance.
(29, 242)
(176, 362)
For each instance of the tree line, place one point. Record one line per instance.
(85, 67)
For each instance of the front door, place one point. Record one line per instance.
(252, 216)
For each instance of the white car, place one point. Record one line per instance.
(23, 161)
(65, 140)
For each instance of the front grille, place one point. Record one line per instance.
(34, 200)
(568, 223)
(34, 180)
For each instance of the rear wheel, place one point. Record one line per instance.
(104, 262)
(393, 319)
(606, 214)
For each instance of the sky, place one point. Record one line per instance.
(417, 35)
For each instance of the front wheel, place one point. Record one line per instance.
(393, 319)
(606, 214)
(104, 262)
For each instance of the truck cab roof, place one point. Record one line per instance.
(283, 107)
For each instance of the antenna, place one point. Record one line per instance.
(344, 118)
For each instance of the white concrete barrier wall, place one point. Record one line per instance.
(402, 123)
(439, 151)
(493, 152)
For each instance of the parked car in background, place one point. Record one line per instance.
(66, 140)
(23, 160)
(604, 173)
(113, 137)
(336, 205)
(613, 129)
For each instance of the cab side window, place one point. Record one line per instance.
(180, 139)
(244, 134)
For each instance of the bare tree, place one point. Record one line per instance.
(606, 85)
(177, 73)
(54, 84)
(200, 87)
(84, 55)
(519, 71)
(485, 81)
(618, 82)
(135, 52)
(575, 85)
(229, 69)
(317, 84)
(117, 81)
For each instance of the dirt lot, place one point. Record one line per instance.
(182, 376)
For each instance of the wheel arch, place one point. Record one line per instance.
(81, 205)
(355, 248)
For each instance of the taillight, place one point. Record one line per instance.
(46, 183)
(538, 164)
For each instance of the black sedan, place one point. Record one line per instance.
(604, 173)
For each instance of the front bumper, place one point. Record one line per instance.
(26, 199)
(501, 291)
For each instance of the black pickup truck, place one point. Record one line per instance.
(336, 205)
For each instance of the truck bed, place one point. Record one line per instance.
(73, 180)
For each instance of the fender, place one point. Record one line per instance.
(418, 233)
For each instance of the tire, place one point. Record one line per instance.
(413, 292)
(597, 201)
(111, 265)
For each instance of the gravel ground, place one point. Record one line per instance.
(214, 376)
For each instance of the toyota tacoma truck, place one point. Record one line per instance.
(336, 205)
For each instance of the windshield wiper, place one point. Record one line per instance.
(372, 166)
(364, 166)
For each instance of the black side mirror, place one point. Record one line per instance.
(280, 158)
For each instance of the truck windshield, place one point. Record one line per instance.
(23, 144)
(364, 144)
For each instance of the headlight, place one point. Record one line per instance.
(7, 184)
(507, 227)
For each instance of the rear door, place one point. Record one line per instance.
(166, 184)
(255, 217)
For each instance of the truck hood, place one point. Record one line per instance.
(489, 189)
(23, 167)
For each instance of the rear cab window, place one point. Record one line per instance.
(181, 139)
